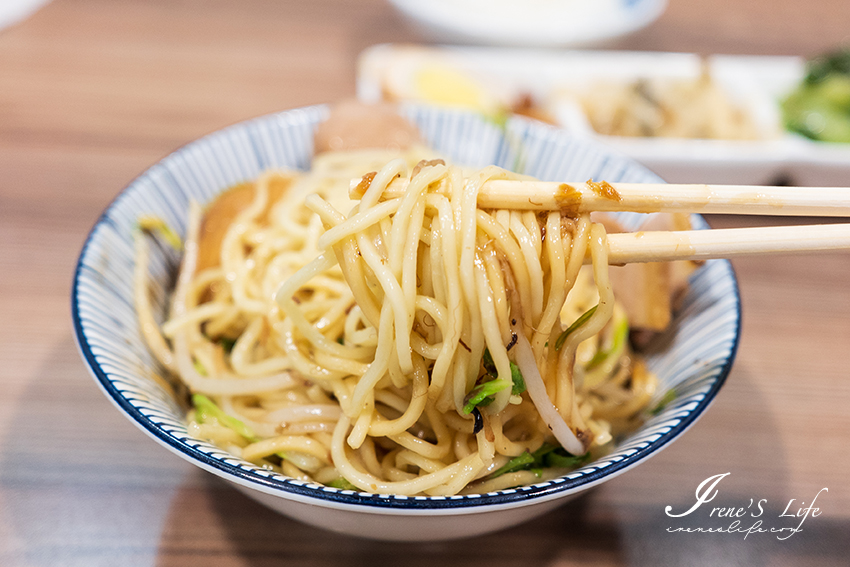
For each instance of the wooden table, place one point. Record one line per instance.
(94, 91)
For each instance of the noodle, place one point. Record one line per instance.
(412, 346)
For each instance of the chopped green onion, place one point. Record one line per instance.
(158, 226)
(516, 376)
(485, 402)
(576, 324)
(199, 368)
(342, 484)
(522, 462)
(206, 410)
(561, 459)
(482, 392)
(547, 455)
(544, 450)
(517, 379)
(621, 333)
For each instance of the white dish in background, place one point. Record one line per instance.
(755, 83)
(14, 11)
(538, 23)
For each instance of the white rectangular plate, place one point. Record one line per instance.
(756, 83)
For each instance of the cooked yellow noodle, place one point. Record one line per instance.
(358, 330)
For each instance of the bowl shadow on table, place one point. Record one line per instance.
(262, 538)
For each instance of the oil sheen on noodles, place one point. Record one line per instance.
(417, 345)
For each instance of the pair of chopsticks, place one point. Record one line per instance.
(662, 246)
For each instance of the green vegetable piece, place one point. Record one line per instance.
(544, 450)
(485, 402)
(199, 368)
(342, 484)
(206, 410)
(516, 376)
(482, 392)
(519, 463)
(665, 400)
(576, 324)
(158, 226)
(487, 362)
(517, 379)
(621, 333)
(547, 455)
(226, 343)
(561, 459)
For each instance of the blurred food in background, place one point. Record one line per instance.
(423, 75)
(819, 108)
(355, 126)
(679, 96)
(678, 108)
(712, 119)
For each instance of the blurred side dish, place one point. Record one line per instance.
(694, 107)
(671, 108)
(819, 108)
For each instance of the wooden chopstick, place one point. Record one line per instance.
(663, 246)
(582, 197)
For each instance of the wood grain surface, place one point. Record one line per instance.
(94, 91)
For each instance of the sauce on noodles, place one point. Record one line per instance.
(416, 345)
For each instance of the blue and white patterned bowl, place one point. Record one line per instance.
(695, 359)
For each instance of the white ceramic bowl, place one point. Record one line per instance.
(693, 357)
(530, 23)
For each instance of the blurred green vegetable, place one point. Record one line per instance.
(156, 225)
(822, 67)
(820, 106)
(618, 343)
